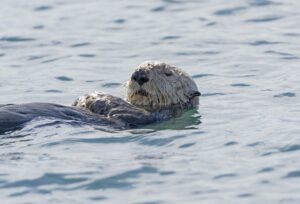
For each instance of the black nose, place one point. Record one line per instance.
(140, 77)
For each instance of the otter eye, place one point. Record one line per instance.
(168, 73)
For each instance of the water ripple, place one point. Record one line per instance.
(64, 78)
(285, 94)
(43, 8)
(263, 3)
(222, 176)
(263, 42)
(53, 91)
(81, 44)
(290, 148)
(36, 57)
(202, 75)
(98, 198)
(111, 85)
(245, 195)
(266, 169)
(240, 85)
(230, 143)
(293, 174)
(87, 55)
(187, 145)
(54, 59)
(158, 9)
(229, 11)
(16, 39)
(120, 21)
(170, 37)
(46, 179)
(38, 27)
(264, 19)
(212, 94)
(119, 181)
(254, 144)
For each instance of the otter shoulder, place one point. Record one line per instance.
(115, 108)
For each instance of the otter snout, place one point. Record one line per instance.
(140, 77)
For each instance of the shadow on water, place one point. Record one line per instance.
(146, 136)
(188, 120)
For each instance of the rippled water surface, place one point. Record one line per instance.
(241, 146)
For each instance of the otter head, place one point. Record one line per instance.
(159, 85)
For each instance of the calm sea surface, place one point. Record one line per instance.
(241, 146)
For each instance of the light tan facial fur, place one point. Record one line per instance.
(166, 86)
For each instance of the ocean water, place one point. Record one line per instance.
(241, 146)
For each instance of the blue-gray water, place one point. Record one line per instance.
(243, 144)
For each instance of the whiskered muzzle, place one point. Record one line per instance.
(142, 92)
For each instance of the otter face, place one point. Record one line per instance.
(157, 84)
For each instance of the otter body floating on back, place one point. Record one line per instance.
(156, 92)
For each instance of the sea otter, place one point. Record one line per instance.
(156, 91)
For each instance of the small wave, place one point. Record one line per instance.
(111, 85)
(293, 174)
(264, 19)
(158, 9)
(64, 78)
(263, 42)
(285, 94)
(240, 85)
(16, 39)
(222, 176)
(81, 44)
(43, 8)
(260, 3)
(229, 11)
(87, 55)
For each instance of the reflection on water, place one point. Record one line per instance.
(188, 120)
(241, 145)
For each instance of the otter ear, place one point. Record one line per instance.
(193, 94)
